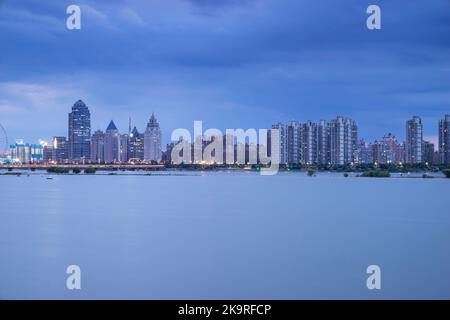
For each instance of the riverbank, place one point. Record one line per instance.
(377, 173)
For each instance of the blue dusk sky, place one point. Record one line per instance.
(230, 63)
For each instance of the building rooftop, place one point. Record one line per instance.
(111, 126)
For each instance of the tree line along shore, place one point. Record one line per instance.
(361, 170)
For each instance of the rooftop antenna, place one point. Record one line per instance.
(129, 126)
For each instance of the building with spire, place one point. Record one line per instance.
(136, 146)
(112, 140)
(152, 140)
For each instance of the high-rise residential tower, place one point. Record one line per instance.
(414, 140)
(309, 143)
(281, 144)
(323, 143)
(294, 142)
(152, 140)
(79, 144)
(343, 133)
(444, 140)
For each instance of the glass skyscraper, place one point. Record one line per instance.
(79, 133)
(136, 146)
(59, 149)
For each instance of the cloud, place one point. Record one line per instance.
(217, 3)
(293, 59)
(37, 109)
(28, 91)
(7, 107)
(104, 17)
(132, 17)
(32, 97)
(29, 22)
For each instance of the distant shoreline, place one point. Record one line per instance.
(217, 167)
(162, 170)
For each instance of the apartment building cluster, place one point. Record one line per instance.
(325, 142)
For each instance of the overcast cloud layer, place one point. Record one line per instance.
(229, 63)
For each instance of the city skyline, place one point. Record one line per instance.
(430, 131)
(336, 141)
(428, 135)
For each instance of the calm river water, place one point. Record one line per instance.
(223, 236)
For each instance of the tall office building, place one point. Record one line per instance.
(294, 143)
(79, 147)
(309, 143)
(414, 140)
(111, 143)
(428, 152)
(167, 155)
(123, 148)
(59, 150)
(48, 153)
(152, 140)
(136, 146)
(98, 147)
(323, 143)
(343, 135)
(444, 140)
(282, 143)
